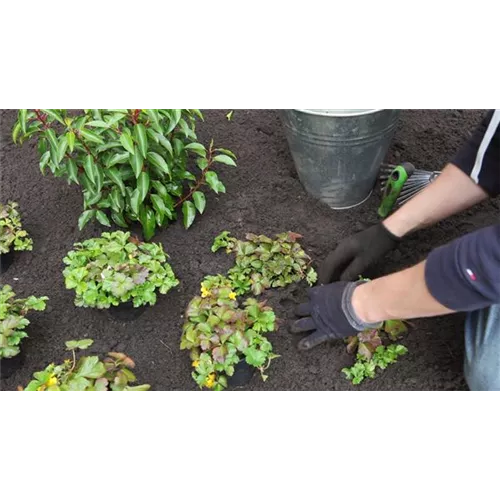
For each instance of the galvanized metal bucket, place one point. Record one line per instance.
(338, 152)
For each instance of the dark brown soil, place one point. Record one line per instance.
(263, 196)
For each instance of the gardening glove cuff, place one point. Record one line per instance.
(328, 315)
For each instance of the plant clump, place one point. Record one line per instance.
(263, 263)
(117, 268)
(13, 321)
(133, 165)
(220, 333)
(12, 234)
(371, 353)
(88, 373)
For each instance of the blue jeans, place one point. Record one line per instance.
(482, 349)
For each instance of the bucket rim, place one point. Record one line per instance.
(339, 115)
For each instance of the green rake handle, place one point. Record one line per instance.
(393, 187)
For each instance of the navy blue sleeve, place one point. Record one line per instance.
(479, 157)
(465, 274)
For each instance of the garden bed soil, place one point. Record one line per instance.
(264, 196)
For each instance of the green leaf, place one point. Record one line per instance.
(116, 200)
(85, 217)
(148, 222)
(158, 161)
(226, 152)
(73, 171)
(142, 138)
(15, 132)
(78, 344)
(118, 158)
(226, 160)
(22, 119)
(54, 115)
(143, 185)
(189, 212)
(91, 136)
(118, 219)
(229, 116)
(213, 181)
(198, 148)
(63, 147)
(158, 204)
(71, 140)
(114, 175)
(135, 201)
(44, 160)
(51, 136)
(199, 201)
(90, 169)
(98, 124)
(90, 367)
(127, 141)
(136, 162)
(102, 218)
(165, 143)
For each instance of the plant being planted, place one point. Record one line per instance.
(88, 373)
(263, 263)
(132, 164)
(370, 351)
(117, 268)
(13, 321)
(221, 334)
(12, 234)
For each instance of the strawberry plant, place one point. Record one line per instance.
(12, 234)
(220, 334)
(381, 358)
(13, 321)
(370, 351)
(117, 268)
(88, 373)
(263, 263)
(133, 165)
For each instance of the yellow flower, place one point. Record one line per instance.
(195, 364)
(205, 292)
(232, 296)
(210, 381)
(41, 388)
(52, 381)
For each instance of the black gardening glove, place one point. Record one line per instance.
(356, 254)
(328, 315)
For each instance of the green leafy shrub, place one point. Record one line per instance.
(88, 373)
(13, 321)
(132, 164)
(117, 268)
(263, 263)
(219, 333)
(12, 234)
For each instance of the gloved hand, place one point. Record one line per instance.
(328, 315)
(356, 254)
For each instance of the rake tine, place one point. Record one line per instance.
(404, 199)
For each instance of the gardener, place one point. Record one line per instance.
(463, 275)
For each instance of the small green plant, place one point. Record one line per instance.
(12, 234)
(13, 321)
(381, 358)
(263, 263)
(88, 373)
(117, 268)
(219, 333)
(132, 164)
(370, 351)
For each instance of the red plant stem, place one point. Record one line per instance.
(200, 182)
(42, 118)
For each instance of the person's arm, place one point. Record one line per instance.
(472, 175)
(461, 276)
